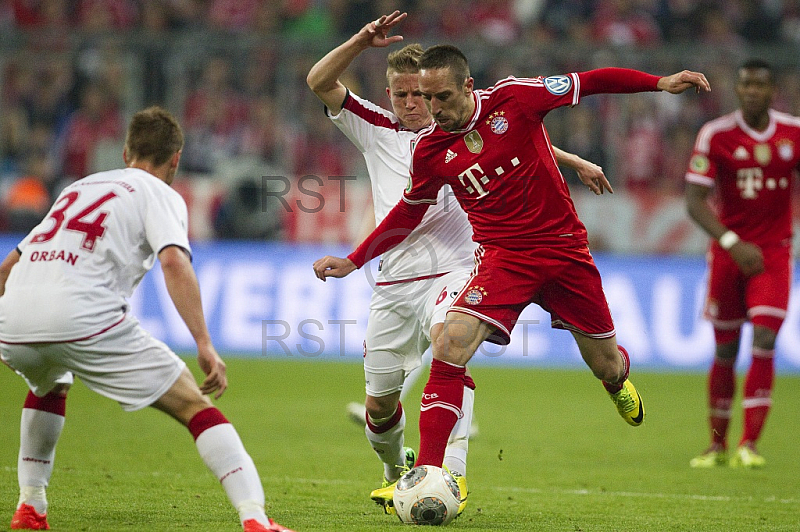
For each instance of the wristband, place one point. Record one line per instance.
(728, 240)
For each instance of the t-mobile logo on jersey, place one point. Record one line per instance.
(473, 178)
(749, 181)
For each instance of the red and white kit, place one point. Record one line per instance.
(417, 281)
(503, 172)
(69, 288)
(752, 173)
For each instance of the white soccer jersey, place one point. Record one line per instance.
(85, 258)
(443, 241)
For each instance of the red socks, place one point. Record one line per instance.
(721, 386)
(52, 402)
(758, 393)
(204, 420)
(439, 410)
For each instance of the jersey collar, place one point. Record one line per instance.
(759, 136)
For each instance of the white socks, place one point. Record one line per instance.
(388, 445)
(455, 454)
(222, 451)
(39, 432)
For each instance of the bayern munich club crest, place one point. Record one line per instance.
(499, 125)
(475, 295)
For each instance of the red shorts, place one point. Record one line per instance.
(563, 281)
(733, 298)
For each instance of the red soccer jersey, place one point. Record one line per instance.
(501, 167)
(752, 172)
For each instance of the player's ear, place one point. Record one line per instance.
(176, 159)
(125, 155)
(468, 85)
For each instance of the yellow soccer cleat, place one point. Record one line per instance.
(384, 496)
(747, 457)
(711, 458)
(629, 404)
(461, 480)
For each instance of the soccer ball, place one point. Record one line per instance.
(427, 495)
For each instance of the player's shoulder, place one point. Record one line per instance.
(425, 137)
(722, 125)
(785, 119)
(371, 113)
(512, 82)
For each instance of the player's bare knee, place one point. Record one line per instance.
(605, 366)
(61, 389)
(764, 337)
(727, 350)
(381, 407)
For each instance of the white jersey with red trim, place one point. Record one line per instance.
(443, 240)
(78, 266)
(752, 172)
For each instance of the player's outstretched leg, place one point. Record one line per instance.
(224, 454)
(624, 395)
(221, 449)
(40, 427)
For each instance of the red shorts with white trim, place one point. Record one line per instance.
(564, 281)
(733, 298)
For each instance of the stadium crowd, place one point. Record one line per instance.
(73, 72)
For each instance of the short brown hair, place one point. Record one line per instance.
(405, 60)
(446, 56)
(153, 135)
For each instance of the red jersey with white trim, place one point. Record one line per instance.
(81, 263)
(752, 172)
(501, 166)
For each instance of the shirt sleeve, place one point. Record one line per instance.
(398, 224)
(359, 120)
(166, 220)
(616, 81)
(702, 169)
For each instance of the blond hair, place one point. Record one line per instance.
(405, 60)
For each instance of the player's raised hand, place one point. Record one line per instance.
(333, 267)
(214, 367)
(677, 83)
(377, 31)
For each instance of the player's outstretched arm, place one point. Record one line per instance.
(398, 224)
(5, 268)
(184, 291)
(747, 256)
(686, 79)
(323, 78)
(589, 173)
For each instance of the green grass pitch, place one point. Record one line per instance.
(552, 455)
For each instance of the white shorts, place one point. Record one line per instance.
(399, 328)
(125, 364)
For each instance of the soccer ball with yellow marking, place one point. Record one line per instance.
(427, 495)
